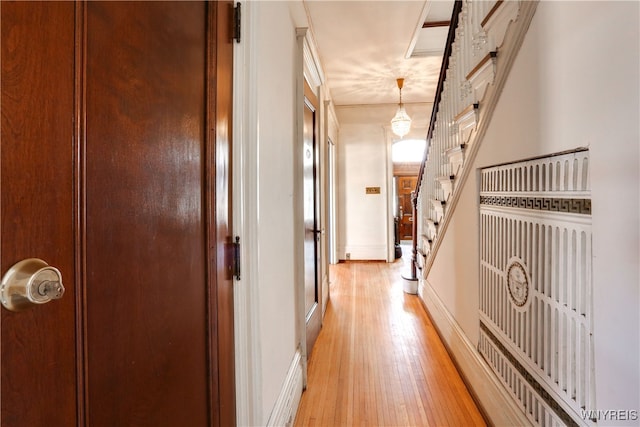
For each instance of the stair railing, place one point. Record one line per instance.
(483, 38)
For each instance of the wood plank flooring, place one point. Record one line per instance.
(378, 360)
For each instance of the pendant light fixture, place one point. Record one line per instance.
(401, 122)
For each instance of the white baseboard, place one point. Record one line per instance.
(363, 252)
(493, 399)
(325, 294)
(286, 406)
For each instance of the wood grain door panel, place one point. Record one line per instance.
(37, 208)
(145, 257)
(406, 185)
(219, 149)
(114, 167)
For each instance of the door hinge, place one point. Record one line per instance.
(237, 14)
(236, 259)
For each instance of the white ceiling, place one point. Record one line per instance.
(364, 46)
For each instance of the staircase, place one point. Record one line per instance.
(483, 41)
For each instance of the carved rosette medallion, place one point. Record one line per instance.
(518, 282)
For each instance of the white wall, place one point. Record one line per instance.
(276, 81)
(364, 223)
(270, 355)
(575, 83)
(362, 162)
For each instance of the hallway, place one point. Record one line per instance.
(378, 359)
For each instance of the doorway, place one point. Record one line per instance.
(406, 185)
(331, 199)
(311, 192)
(406, 156)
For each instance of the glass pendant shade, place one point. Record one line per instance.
(401, 122)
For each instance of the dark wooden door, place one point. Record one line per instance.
(406, 185)
(312, 285)
(115, 147)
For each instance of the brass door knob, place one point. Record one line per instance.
(30, 282)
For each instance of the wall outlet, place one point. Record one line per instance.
(348, 255)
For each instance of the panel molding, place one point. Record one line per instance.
(505, 356)
(550, 204)
(535, 315)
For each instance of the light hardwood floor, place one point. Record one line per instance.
(379, 361)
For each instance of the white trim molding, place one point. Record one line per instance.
(298, 206)
(496, 403)
(498, 20)
(312, 69)
(286, 407)
(364, 252)
(248, 352)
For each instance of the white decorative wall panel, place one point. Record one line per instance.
(535, 286)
